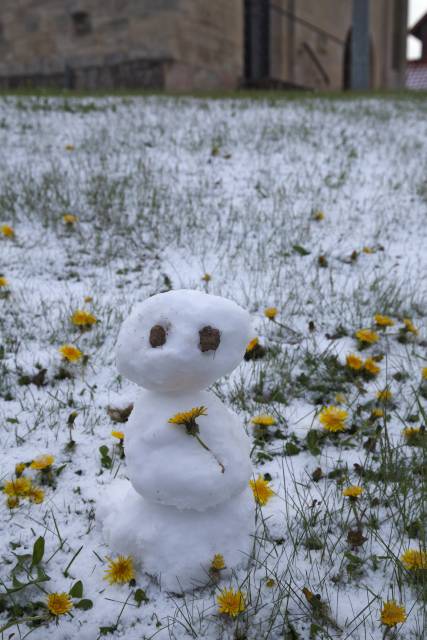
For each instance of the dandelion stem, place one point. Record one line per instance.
(205, 446)
(188, 419)
(356, 513)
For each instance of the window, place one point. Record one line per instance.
(81, 22)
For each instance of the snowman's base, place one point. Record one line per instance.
(177, 547)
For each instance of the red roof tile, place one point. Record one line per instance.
(416, 74)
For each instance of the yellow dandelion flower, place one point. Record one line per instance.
(231, 602)
(385, 395)
(82, 318)
(120, 570)
(270, 312)
(185, 417)
(414, 559)
(352, 492)
(409, 326)
(377, 413)
(20, 468)
(36, 495)
(333, 418)
(70, 219)
(70, 352)
(318, 216)
(392, 613)
(206, 277)
(424, 373)
(368, 250)
(264, 420)
(254, 343)
(3, 281)
(69, 147)
(261, 490)
(218, 562)
(354, 362)
(7, 231)
(12, 502)
(411, 431)
(270, 583)
(371, 367)
(118, 434)
(383, 321)
(59, 603)
(42, 462)
(367, 336)
(19, 487)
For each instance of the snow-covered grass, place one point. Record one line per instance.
(167, 190)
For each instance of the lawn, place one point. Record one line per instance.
(314, 207)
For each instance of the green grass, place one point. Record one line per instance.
(166, 190)
(249, 94)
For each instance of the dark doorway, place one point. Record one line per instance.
(257, 41)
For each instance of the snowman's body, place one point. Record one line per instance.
(184, 503)
(169, 467)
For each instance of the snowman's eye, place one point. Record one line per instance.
(157, 336)
(209, 339)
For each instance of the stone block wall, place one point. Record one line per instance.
(101, 42)
(188, 44)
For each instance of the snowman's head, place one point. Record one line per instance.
(182, 340)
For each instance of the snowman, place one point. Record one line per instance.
(188, 457)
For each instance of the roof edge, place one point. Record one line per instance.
(413, 31)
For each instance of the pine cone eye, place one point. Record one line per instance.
(157, 336)
(209, 339)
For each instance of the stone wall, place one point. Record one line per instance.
(314, 57)
(187, 44)
(131, 74)
(208, 47)
(45, 37)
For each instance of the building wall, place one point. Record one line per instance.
(39, 37)
(310, 57)
(189, 44)
(314, 57)
(208, 46)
